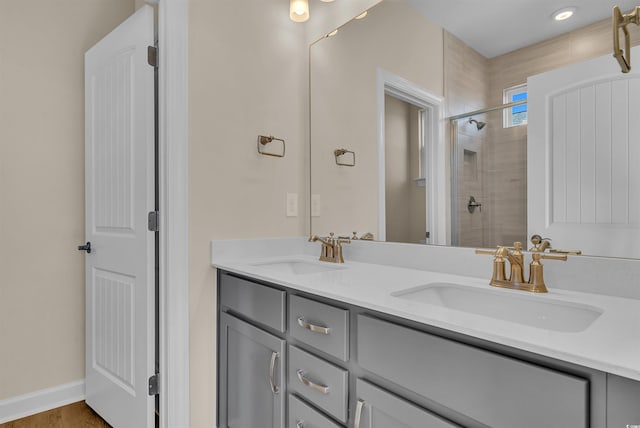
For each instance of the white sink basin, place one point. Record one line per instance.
(298, 267)
(532, 310)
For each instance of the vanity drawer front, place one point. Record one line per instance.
(258, 302)
(322, 326)
(378, 408)
(495, 390)
(319, 382)
(302, 415)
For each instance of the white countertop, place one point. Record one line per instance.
(610, 344)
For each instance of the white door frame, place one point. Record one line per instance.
(173, 34)
(433, 155)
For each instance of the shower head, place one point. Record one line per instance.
(479, 125)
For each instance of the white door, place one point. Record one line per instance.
(120, 269)
(583, 160)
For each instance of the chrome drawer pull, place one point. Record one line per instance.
(300, 424)
(314, 328)
(359, 407)
(320, 388)
(272, 369)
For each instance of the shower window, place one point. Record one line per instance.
(516, 115)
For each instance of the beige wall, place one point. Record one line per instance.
(405, 200)
(343, 106)
(247, 76)
(42, 45)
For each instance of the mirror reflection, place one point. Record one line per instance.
(439, 161)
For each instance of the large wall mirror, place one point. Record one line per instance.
(419, 120)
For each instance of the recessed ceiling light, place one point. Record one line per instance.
(333, 33)
(564, 13)
(362, 15)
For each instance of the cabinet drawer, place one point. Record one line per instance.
(495, 390)
(319, 382)
(303, 416)
(381, 409)
(260, 303)
(322, 326)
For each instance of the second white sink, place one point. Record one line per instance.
(532, 310)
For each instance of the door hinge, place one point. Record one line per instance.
(153, 385)
(152, 56)
(153, 221)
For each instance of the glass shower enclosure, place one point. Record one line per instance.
(489, 176)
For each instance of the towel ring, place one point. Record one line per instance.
(263, 140)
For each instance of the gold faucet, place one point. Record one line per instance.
(331, 250)
(515, 257)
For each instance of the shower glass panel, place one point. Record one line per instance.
(489, 180)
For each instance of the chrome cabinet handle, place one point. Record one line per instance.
(299, 424)
(272, 369)
(359, 407)
(305, 381)
(314, 328)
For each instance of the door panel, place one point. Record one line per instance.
(583, 186)
(120, 270)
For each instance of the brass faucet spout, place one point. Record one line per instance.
(516, 280)
(331, 250)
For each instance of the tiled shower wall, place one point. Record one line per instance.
(466, 89)
(473, 82)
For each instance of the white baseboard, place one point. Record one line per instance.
(40, 401)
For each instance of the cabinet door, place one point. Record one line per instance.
(377, 408)
(251, 389)
(623, 397)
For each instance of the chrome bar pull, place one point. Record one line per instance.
(316, 387)
(272, 369)
(314, 328)
(359, 408)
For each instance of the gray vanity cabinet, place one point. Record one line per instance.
(287, 358)
(252, 361)
(377, 408)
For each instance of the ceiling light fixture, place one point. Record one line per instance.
(564, 13)
(333, 33)
(362, 15)
(299, 10)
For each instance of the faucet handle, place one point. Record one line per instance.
(552, 257)
(498, 252)
(570, 252)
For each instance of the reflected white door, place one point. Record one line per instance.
(583, 157)
(120, 269)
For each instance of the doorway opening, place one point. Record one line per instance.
(411, 163)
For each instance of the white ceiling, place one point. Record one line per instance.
(495, 27)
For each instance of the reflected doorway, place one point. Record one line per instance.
(405, 193)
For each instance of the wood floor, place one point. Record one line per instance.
(76, 415)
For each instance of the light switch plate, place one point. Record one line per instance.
(315, 205)
(292, 205)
